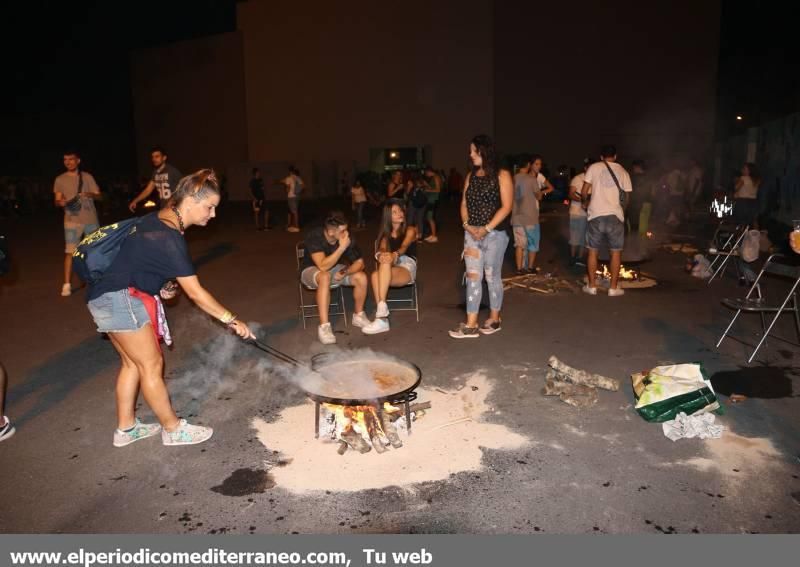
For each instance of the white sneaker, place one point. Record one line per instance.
(66, 290)
(325, 334)
(293, 229)
(432, 239)
(6, 430)
(360, 320)
(140, 431)
(186, 434)
(616, 292)
(383, 310)
(376, 327)
(589, 290)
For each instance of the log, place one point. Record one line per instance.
(580, 401)
(342, 447)
(576, 376)
(559, 388)
(355, 441)
(390, 431)
(395, 415)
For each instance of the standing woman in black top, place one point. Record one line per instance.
(485, 207)
(125, 304)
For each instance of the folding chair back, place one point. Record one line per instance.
(755, 302)
(726, 243)
(410, 303)
(310, 310)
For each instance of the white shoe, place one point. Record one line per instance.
(186, 434)
(140, 431)
(360, 320)
(293, 229)
(383, 310)
(325, 334)
(376, 327)
(589, 290)
(432, 239)
(616, 292)
(7, 430)
(66, 290)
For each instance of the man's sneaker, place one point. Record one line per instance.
(186, 434)
(140, 431)
(66, 290)
(490, 327)
(6, 430)
(464, 332)
(432, 239)
(616, 292)
(580, 262)
(325, 334)
(383, 310)
(377, 326)
(589, 290)
(360, 320)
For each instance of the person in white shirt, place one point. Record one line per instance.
(610, 186)
(294, 185)
(745, 196)
(577, 218)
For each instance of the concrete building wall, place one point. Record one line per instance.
(328, 81)
(570, 77)
(189, 98)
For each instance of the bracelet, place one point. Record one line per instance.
(465, 224)
(488, 230)
(227, 318)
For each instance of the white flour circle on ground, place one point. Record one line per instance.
(448, 439)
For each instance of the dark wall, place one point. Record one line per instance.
(327, 81)
(573, 76)
(189, 98)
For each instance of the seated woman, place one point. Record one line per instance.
(124, 304)
(397, 261)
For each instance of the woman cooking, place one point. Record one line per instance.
(124, 303)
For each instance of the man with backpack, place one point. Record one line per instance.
(75, 191)
(610, 186)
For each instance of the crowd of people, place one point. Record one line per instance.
(496, 203)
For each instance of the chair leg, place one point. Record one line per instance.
(416, 301)
(725, 334)
(341, 302)
(302, 305)
(772, 324)
(796, 317)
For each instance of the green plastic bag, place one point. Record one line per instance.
(665, 391)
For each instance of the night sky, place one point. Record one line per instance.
(66, 73)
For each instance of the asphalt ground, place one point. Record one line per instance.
(596, 470)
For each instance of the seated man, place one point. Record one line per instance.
(331, 260)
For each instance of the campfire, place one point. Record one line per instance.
(625, 274)
(367, 427)
(364, 403)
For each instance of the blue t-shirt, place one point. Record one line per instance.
(148, 258)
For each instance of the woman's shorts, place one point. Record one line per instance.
(118, 312)
(527, 237)
(577, 230)
(408, 263)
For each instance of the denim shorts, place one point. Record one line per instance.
(409, 264)
(308, 277)
(118, 312)
(527, 237)
(606, 230)
(577, 230)
(74, 232)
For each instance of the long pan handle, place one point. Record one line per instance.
(272, 351)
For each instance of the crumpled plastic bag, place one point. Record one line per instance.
(751, 246)
(689, 426)
(701, 267)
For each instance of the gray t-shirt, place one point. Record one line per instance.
(525, 211)
(67, 185)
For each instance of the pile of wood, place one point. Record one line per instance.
(381, 431)
(577, 388)
(547, 284)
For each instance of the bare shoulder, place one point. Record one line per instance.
(504, 175)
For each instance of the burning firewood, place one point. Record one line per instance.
(355, 441)
(575, 376)
(390, 431)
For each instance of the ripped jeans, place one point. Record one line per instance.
(485, 258)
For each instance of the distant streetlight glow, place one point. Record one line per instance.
(394, 155)
(738, 117)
